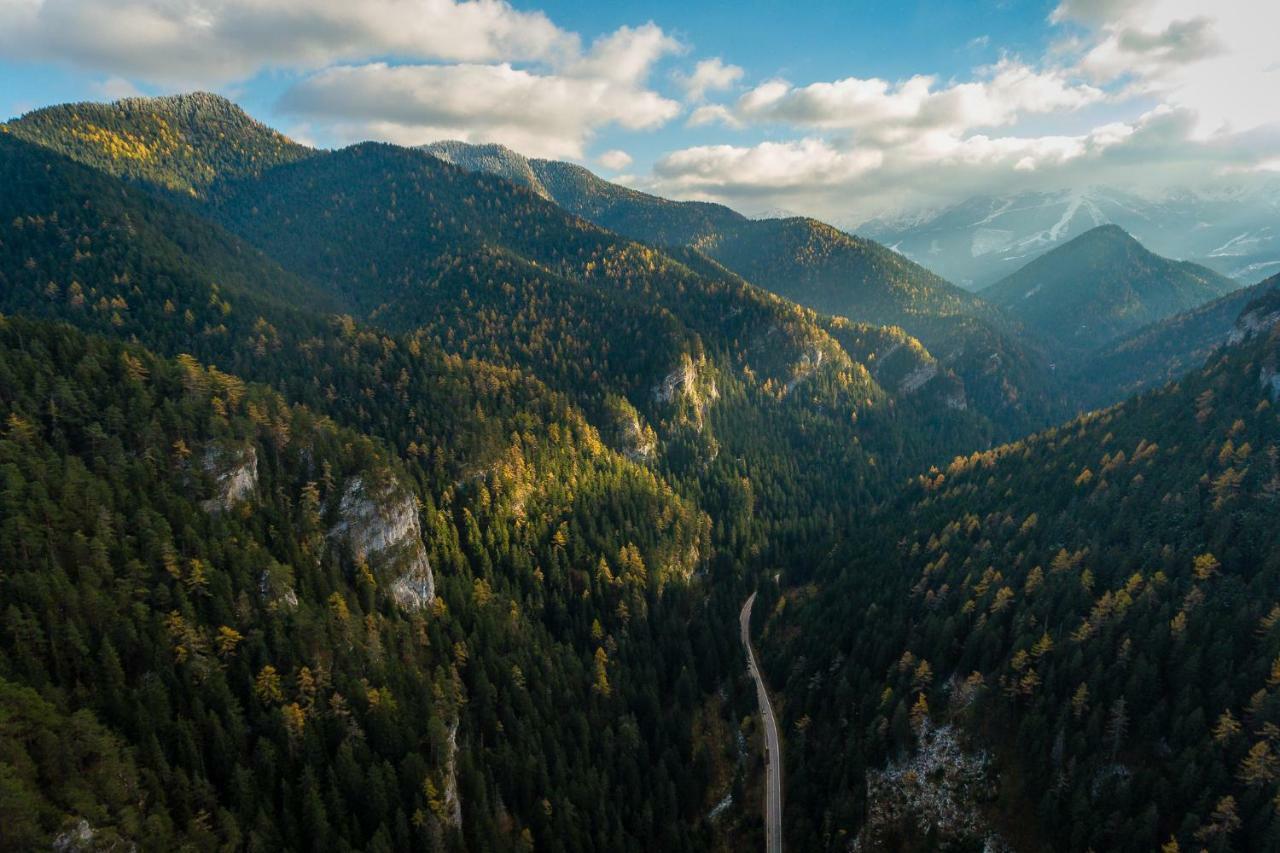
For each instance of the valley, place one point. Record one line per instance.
(385, 497)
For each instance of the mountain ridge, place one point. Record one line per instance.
(819, 266)
(981, 239)
(1110, 280)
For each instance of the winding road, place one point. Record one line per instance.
(773, 753)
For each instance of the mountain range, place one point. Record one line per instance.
(386, 498)
(980, 240)
(1100, 285)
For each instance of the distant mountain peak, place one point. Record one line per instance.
(1109, 232)
(980, 240)
(1102, 284)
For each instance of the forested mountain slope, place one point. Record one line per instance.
(414, 243)
(230, 579)
(823, 268)
(492, 159)
(477, 488)
(1090, 617)
(563, 564)
(1100, 285)
(1165, 350)
(523, 510)
(182, 143)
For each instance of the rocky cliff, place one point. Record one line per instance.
(378, 523)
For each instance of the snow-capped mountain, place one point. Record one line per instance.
(1233, 231)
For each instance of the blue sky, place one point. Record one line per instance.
(842, 110)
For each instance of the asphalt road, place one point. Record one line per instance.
(773, 753)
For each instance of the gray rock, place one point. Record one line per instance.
(235, 473)
(378, 522)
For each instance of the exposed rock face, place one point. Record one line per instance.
(235, 472)
(916, 379)
(1260, 318)
(276, 588)
(1255, 321)
(452, 801)
(688, 384)
(908, 370)
(638, 440)
(77, 839)
(1269, 378)
(635, 438)
(806, 367)
(936, 790)
(378, 522)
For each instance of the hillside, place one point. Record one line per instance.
(1079, 624)
(832, 272)
(182, 143)
(492, 159)
(485, 449)
(383, 499)
(1099, 286)
(1166, 350)
(582, 542)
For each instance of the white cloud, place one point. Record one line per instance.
(709, 75)
(762, 168)
(626, 55)
(713, 114)
(1217, 60)
(1178, 92)
(878, 109)
(115, 88)
(211, 42)
(614, 160)
(850, 182)
(547, 115)
(1094, 11)
(400, 70)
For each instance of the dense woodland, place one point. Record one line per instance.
(1098, 600)
(357, 500)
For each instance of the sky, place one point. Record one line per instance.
(841, 110)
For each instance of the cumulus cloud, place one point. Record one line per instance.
(713, 114)
(851, 182)
(551, 113)
(878, 109)
(1094, 11)
(762, 168)
(709, 75)
(114, 88)
(1218, 61)
(626, 55)
(1190, 81)
(547, 115)
(614, 160)
(1150, 54)
(183, 42)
